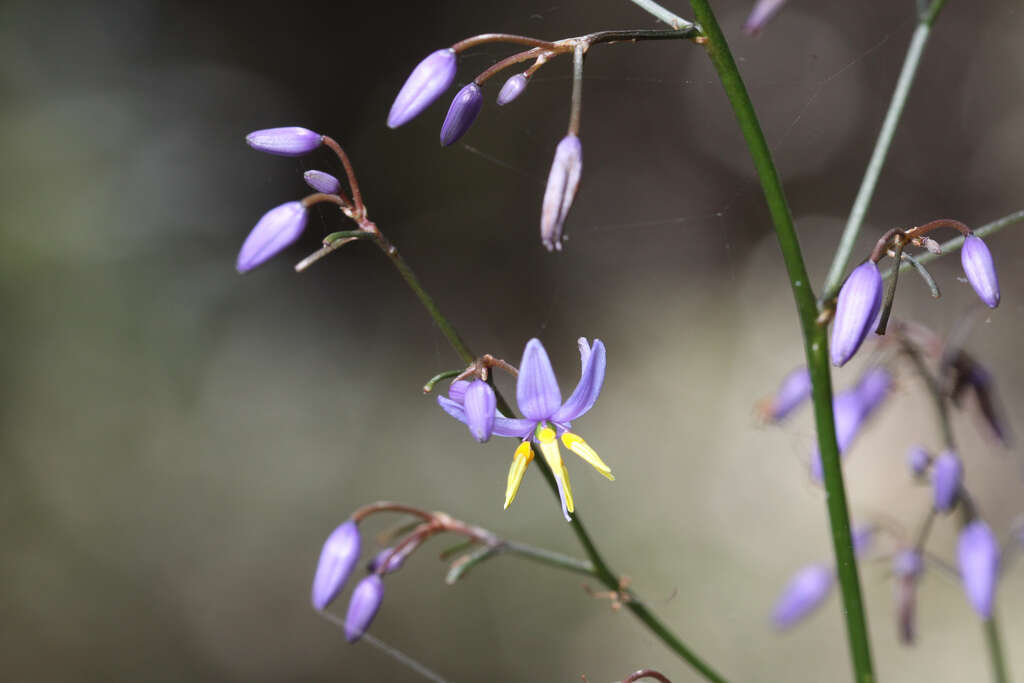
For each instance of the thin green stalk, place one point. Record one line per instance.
(870, 180)
(995, 651)
(815, 340)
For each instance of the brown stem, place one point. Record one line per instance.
(360, 209)
(542, 56)
(485, 38)
(388, 506)
(928, 227)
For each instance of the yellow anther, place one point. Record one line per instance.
(521, 458)
(545, 434)
(578, 446)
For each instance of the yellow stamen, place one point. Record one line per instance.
(549, 449)
(578, 446)
(521, 458)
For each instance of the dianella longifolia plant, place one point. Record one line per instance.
(855, 303)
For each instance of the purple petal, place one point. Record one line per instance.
(981, 272)
(805, 591)
(763, 11)
(337, 560)
(457, 391)
(454, 409)
(589, 386)
(563, 180)
(947, 474)
(278, 228)
(508, 426)
(366, 599)
(978, 554)
(291, 141)
(322, 182)
(794, 390)
(537, 390)
(512, 89)
(480, 408)
(426, 83)
(461, 114)
(859, 302)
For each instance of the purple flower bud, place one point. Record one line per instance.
(859, 302)
(322, 182)
(480, 405)
(278, 228)
(763, 11)
(337, 560)
(457, 391)
(794, 390)
(805, 591)
(863, 538)
(428, 80)
(849, 413)
(561, 189)
(512, 89)
(366, 599)
(981, 273)
(461, 115)
(978, 554)
(947, 474)
(872, 388)
(393, 564)
(290, 141)
(907, 564)
(918, 460)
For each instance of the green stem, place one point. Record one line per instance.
(892, 118)
(995, 651)
(815, 340)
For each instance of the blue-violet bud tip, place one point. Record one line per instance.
(426, 83)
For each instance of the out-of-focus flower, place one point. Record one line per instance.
(563, 181)
(426, 83)
(981, 272)
(322, 182)
(852, 408)
(803, 594)
(545, 417)
(863, 538)
(794, 390)
(918, 460)
(337, 560)
(947, 475)
(366, 599)
(969, 374)
(278, 228)
(907, 567)
(512, 89)
(461, 114)
(978, 555)
(290, 141)
(856, 309)
(763, 11)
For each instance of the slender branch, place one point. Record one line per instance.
(892, 118)
(673, 20)
(933, 286)
(576, 106)
(995, 651)
(815, 340)
(549, 557)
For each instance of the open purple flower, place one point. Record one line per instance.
(981, 272)
(337, 560)
(275, 232)
(859, 301)
(366, 599)
(563, 180)
(428, 80)
(461, 114)
(978, 555)
(546, 417)
(290, 141)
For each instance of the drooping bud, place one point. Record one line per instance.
(763, 11)
(794, 390)
(981, 272)
(426, 83)
(512, 89)
(803, 594)
(394, 560)
(918, 460)
(480, 405)
(366, 599)
(947, 475)
(978, 555)
(337, 560)
(322, 182)
(290, 141)
(465, 107)
(859, 302)
(563, 180)
(873, 387)
(278, 228)
(848, 413)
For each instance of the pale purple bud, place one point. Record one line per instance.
(763, 11)
(805, 591)
(794, 390)
(394, 560)
(981, 272)
(859, 302)
(848, 412)
(426, 83)
(563, 181)
(322, 182)
(512, 89)
(291, 141)
(918, 460)
(461, 115)
(480, 405)
(907, 564)
(863, 538)
(872, 388)
(337, 560)
(978, 554)
(947, 474)
(278, 228)
(366, 599)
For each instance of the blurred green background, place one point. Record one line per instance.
(178, 440)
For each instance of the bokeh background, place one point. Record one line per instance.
(178, 440)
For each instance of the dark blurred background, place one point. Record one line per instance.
(178, 440)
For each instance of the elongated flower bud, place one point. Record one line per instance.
(512, 89)
(322, 182)
(337, 560)
(918, 460)
(981, 272)
(873, 387)
(278, 228)
(366, 599)
(763, 11)
(978, 555)
(291, 141)
(947, 474)
(465, 107)
(563, 181)
(859, 302)
(805, 591)
(426, 83)
(794, 390)
(480, 405)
